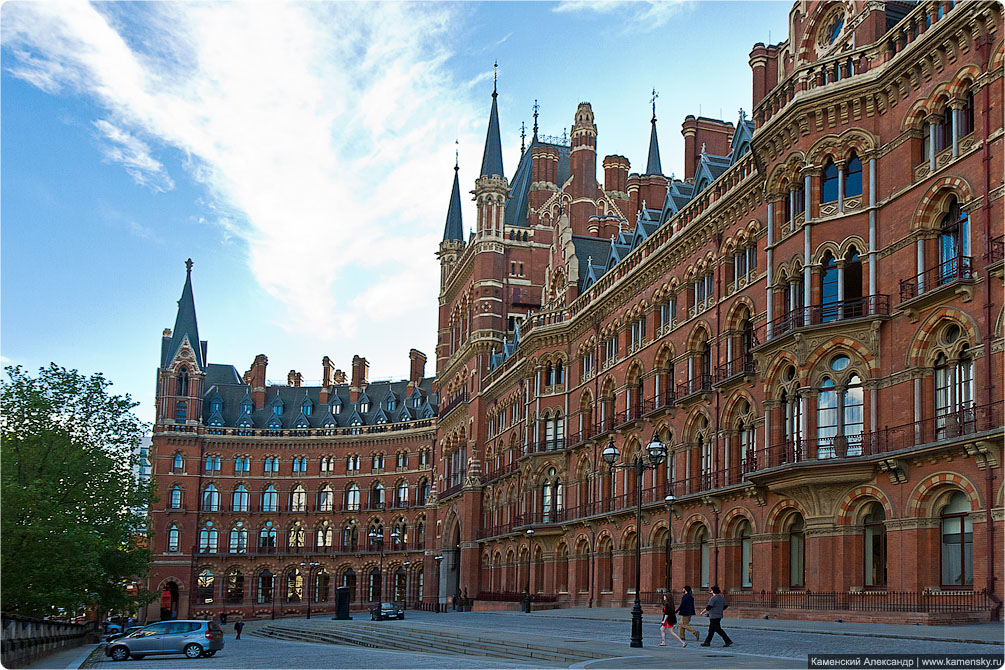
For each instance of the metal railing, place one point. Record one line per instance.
(514, 596)
(699, 384)
(930, 602)
(944, 273)
(740, 365)
(830, 312)
(454, 402)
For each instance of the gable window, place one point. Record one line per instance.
(182, 382)
(364, 407)
(307, 408)
(246, 407)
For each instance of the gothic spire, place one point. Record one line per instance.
(492, 157)
(454, 229)
(653, 166)
(185, 324)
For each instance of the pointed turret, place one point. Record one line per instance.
(185, 325)
(492, 156)
(653, 166)
(454, 229)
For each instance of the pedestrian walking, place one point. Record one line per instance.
(223, 618)
(686, 611)
(714, 610)
(238, 626)
(669, 621)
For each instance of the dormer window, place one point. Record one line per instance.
(215, 405)
(246, 407)
(307, 408)
(278, 408)
(364, 407)
(337, 408)
(417, 402)
(390, 404)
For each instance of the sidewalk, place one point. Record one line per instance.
(985, 633)
(65, 659)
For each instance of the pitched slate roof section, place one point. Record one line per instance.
(185, 326)
(454, 228)
(492, 156)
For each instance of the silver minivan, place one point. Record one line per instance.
(190, 637)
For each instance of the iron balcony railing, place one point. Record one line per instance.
(740, 365)
(946, 272)
(829, 312)
(453, 402)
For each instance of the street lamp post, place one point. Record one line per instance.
(669, 500)
(379, 539)
(657, 452)
(526, 605)
(310, 565)
(273, 596)
(439, 560)
(404, 601)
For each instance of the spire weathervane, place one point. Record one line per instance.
(457, 154)
(536, 108)
(653, 100)
(523, 137)
(495, 77)
(188, 266)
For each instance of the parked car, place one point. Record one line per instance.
(386, 611)
(190, 637)
(116, 635)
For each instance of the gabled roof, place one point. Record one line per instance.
(185, 326)
(516, 208)
(709, 169)
(740, 144)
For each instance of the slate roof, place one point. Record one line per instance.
(185, 325)
(293, 398)
(516, 208)
(492, 156)
(653, 165)
(454, 228)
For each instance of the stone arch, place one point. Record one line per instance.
(915, 117)
(693, 421)
(781, 511)
(732, 518)
(733, 403)
(780, 363)
(842, 344)
(859, 497)
(736, 310)
(922, 500)
(933, 203)
(920, 352)
(692, 524)
(806, 51)
(657, 533)
(783, 174)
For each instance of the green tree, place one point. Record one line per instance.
(74, 510)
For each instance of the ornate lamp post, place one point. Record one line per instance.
(657, 452)
(404, 601)
(378, 538)
(310, 577)
(438, 559)
(526, 604)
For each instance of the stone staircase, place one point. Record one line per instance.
(393, 635)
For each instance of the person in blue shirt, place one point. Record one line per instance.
(686, 611)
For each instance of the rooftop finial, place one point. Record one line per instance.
(457, 154)
(495, 77)
(523, 137)
(653, 100)
(536, 108)
(188, 266)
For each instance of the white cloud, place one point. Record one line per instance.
(322, 132)
(634, 15)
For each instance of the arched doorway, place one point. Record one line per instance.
(450, 566)
(169, 601)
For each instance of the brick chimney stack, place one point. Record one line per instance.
(764, 69)
(417, 369)
(711, 134)
(360, 371)
(616, 174)
(339, 377)
(294, 378)
(255, 378)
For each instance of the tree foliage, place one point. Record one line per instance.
(74, 510)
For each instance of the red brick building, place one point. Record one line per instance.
(810, 320)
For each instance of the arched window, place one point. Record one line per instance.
(853, 177)
(298, 499)
(240, 499)
(954, 394)
(840, 416)
(939, 127)
(547, 497)
(350, 536)
(377, 496)
(175, 502)
(270, 499)
(205, 586)
(957, 542)
(829, 184)
(797, 554)
(180, 412)
(322, 584)
(207, 538)
(349, 581)
(792, 420)
(827, 418)
(399, 535)
(294, 586)
(829, 287)
(874, 532)
(239, 538)
(235, 587)
(324, 536)
(352, 498)
(266, 586)
(178, 465)
(967, 115)
(173, 538)
(704, 556)
(423, 493)
(267, 537)
(211, 499)
(295, 536)
(182, 382)
(326, 499)
(954, 243)
(374, 590)
(401, 495)
(746, 555)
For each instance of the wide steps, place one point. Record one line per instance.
(444, 640)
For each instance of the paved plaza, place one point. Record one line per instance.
(757, 643)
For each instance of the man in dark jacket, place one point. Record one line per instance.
(714, 609)
(686, 611)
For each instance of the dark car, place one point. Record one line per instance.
(387, 611)
(113, 635)
(190, 637)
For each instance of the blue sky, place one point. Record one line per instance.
(301, 155)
